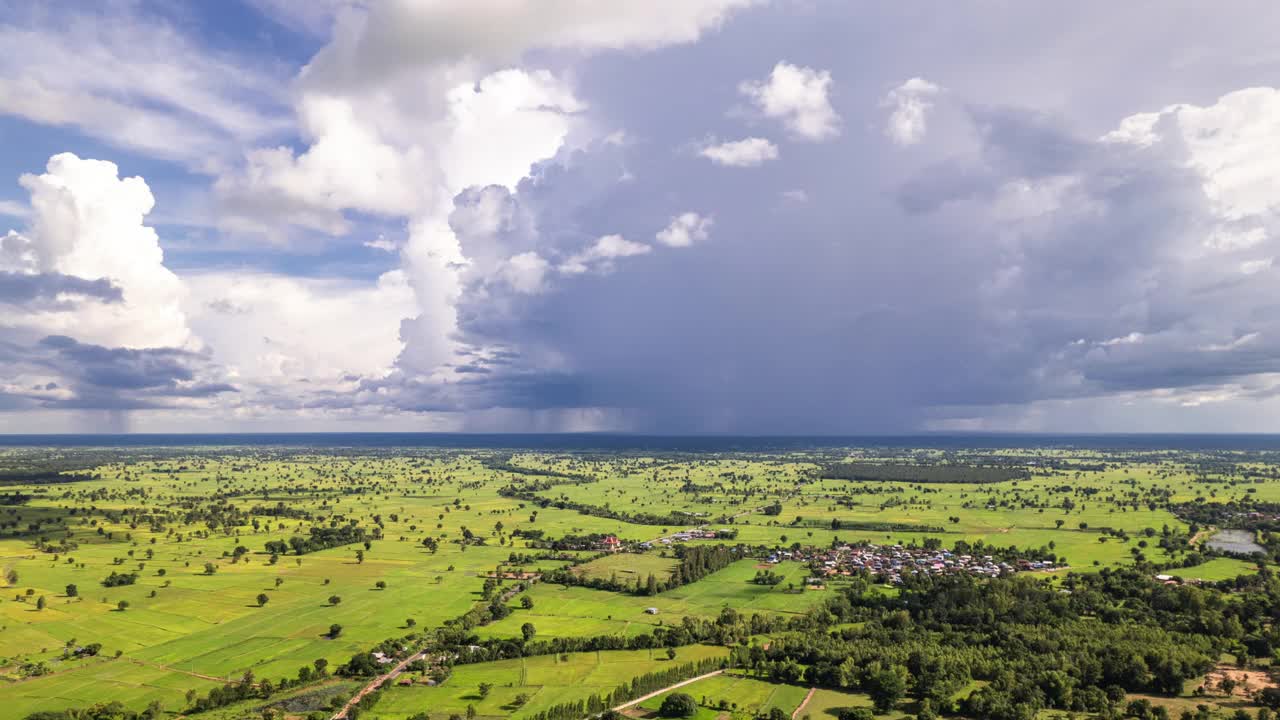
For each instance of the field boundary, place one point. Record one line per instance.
(796, 713)
(655, 693)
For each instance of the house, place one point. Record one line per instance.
(611, 543)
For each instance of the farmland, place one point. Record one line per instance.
(225, 582)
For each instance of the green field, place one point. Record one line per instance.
(438, 523)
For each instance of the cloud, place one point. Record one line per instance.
(163, 94)
(796, 96)
(684, 230)
(314, 17)
(599, 256)
(124, 378)
(910, 103)
(87, 223)
(270, 338)
(526, 272)
(382, 244)
(390, 39)
(1055, 253)
(748, 152)
(14, 209)
(23, 288)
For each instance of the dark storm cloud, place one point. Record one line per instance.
(101, 377)
(1004, 262)
(47, 288)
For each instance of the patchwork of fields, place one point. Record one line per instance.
(208, 602)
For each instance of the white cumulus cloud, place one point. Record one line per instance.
(747, 152)
(798, 97)
(910, 103)
(600, 255)
(684, 230)
(88, 222)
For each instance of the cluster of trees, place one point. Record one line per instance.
(865, 525)
(604, 511)
(589, 541)
(696, 562)
(766, 577)
(904, 472)
(1036, 648)
(642, 685)
(116, 579)
(248, 688)
(729, 628)
(281, 510)
(322, 538)
(102, 711)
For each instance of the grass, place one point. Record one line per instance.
(560, 611)
(628, 567)
(184, 629)
(546, 680)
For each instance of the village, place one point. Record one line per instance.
(894, 562)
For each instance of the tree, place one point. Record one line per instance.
(851, 713)
(381, 584)
(334, 599)
(485, 688)
(678, 705)
(410, 622)
(122, 605)
(210, 568)
(334, 631)
(40, 603)
(886, 687)
(262, 599)
(73, 591)
(1269, 696)
(526, 602)
(528, 631)
(671, 653)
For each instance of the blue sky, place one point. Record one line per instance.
(796, 216)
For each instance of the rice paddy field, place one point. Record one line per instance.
(208, 600)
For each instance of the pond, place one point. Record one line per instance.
(1234, 541)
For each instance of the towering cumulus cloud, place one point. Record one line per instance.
(668, 215)
(87, 223)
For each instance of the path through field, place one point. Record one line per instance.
(656, 693)
(796, 713)
(399, 668)
(377, 683)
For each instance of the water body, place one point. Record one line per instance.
(1234, 541)
(655, 443)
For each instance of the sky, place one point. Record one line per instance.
(656, 216)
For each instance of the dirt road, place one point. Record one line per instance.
(656, 693)
(377, 683)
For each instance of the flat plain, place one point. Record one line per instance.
(217, 591)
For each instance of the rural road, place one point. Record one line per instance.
(655, 693)
(806, 700)
(377, 683)
(399, 668)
